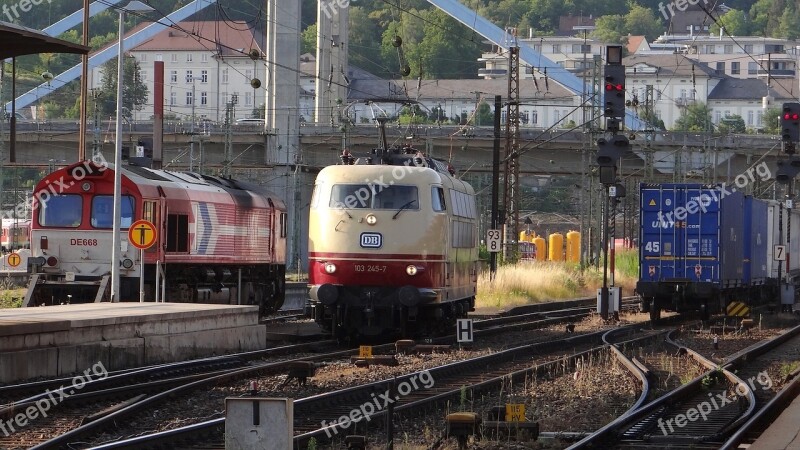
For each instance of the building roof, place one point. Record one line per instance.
(18, 40)
(751, 89)
(636, 43)
(235, 38)
(668, 65)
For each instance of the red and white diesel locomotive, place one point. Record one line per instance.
(219, 240)
(392, 246)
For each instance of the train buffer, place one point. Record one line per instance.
(737, 309)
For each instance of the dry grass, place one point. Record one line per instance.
(537, 282)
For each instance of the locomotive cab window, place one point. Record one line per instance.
(61, 211)
(359, 196)
(103, 211)
(177, 237)
(437, 198)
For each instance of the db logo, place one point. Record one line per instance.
(371, 240)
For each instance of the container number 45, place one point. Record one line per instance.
(654, 247)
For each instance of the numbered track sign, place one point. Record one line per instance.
(779, 253)
(464, 330)
(493, 241)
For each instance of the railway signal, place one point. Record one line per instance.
(614, 100)
(790, 125)
(608, 152)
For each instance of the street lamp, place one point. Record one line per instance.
(135, 6)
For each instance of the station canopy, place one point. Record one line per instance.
(16, 40)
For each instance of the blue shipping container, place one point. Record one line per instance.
(692, 233)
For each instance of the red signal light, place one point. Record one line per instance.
(795, 116)
(609, 87)
(786, 116)
(620, 87)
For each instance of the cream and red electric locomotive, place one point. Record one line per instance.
(219, 240)
(392, 246)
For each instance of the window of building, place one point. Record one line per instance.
(748, 48)
(248, 98)
(188, 57)
(173, 76)
(556, 48)
(143, 57)
(717, 116)
(159, 57)
(752, 68)
(189, 76)
(750, 118)
(173, 98)
(204, 76)
(224, 76)
(248, 75)
(204, 98)
(710, 49)
(683, 93)
(143, 76)
(204, 57)
(534, 117)
(759, 118)
(720, 67)
(189, 98)
(173, 57)
(728, 48)
(735, 67)
(577, 48)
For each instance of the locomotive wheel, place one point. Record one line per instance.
(655, 311)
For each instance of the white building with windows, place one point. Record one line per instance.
(571, 53)
(203, 70)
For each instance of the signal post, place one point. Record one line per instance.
(610, 149)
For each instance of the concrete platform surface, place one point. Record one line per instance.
(784, 433)
(60, 340)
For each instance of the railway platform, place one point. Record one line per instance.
(783, 433)
(61, 340)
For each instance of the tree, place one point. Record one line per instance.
(735, 23)
(642, 21)
(696, 117)
(732, 124)
(484, 116)
(134, 91)
(309, 40)
(443, 55)
(653, 120)
(609, 29)
(789, 25)
(771, 121)
(365, 41)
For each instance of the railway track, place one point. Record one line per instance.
(126, 392)
(706, 411)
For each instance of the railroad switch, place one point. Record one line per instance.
(300, 371)
(461, 426)
(355, 442)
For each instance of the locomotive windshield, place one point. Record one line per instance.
(61, 211)
(103, 211)
(362, 196)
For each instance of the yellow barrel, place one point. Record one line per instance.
(555, 247)
(541, 248)
(574, 247)
(525, 236)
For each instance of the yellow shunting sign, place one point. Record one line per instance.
(365, 351)
(515, 412)
(738, 309)
(652, 203)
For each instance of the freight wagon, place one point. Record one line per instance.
(703, 246)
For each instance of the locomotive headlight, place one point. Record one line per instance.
(127, 263)
(371, 219)
(329, 268)
(413, 270)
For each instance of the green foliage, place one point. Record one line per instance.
(627, 262)
(134, 91)
(642, 21)
(309, 40)
(609, 29)
(696, 117)
(789, 24)
(771, 121)
(652, 119)
(312, 444)
(732, 124)
(735, 22)
(484, 116)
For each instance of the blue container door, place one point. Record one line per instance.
(679, 233)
